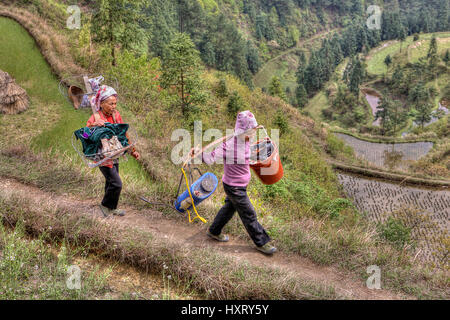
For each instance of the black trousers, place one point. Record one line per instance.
(237, 200)
(113, 186)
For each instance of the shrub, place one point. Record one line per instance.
(395, 232)
(222, 89)
(234, 104)
(334, 145)
(281, 122)
(308, 194)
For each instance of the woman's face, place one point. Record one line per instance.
(109, 105)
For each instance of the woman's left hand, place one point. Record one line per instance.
(136, 155)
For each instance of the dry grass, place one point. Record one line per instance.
(139, 248)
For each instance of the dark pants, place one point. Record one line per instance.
(113, 186)
(237, 200)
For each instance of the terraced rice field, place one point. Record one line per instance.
(386, 155)
(378, 198)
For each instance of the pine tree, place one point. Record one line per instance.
(443, 15)
(420, 98)
(388, 60)
(432, 55)
(402, 36)
(423, 114)
(116, 22)
(234, 104)
(354, 75)
(399, 81)
(392, 115)
(313, 72)
(249, 8)
(253, 60)
(182, 70)
(208, 53)
(300, 74)
(281, 122)
(301, 96)
(222, 88)
(446, 58)
(276, 89)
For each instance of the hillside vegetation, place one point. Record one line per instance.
(305, 213)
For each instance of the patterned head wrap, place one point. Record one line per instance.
(103, 93)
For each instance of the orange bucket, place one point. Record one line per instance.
(266, 162)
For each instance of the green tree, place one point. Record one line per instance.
(354, 75)
(432, 54)
(253, 60)
(345, 108)
(443, 15)
(234, 104)
(446, 58)
(222, 89)
(116, 23)
(420, 98)
(392, 115)
(402, 36)
(182, 71)
(399, 81)
(423, 114)
(300, 74)
(388, 60)
(281, 122)
(276, 89)
(301, 96)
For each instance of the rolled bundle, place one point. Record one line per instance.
(13, 99)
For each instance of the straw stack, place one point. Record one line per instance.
(13, 99)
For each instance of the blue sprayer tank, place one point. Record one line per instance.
(205, 187)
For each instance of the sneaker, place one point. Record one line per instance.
(106, 211)
(118, 212)
(220, 237)
(267, 249)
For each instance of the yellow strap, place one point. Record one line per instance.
(193, 205)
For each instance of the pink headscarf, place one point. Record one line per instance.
(103, 93)
(245, 121)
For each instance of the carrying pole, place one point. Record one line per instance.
(223, 139)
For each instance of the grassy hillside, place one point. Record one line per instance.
(413, 50)
(304, 213)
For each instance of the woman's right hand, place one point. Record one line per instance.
(194, 151)
(99, 123)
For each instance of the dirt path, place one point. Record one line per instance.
(345, 285)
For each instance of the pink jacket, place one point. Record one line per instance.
(235, 153)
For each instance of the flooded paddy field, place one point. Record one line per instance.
(377, 199)
(374, 101)
(387, 155)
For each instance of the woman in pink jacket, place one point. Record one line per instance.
(235, 155)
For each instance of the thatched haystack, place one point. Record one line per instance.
(13, 99)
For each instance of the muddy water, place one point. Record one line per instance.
(374, 102)
(377, 198)
(386, 155)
